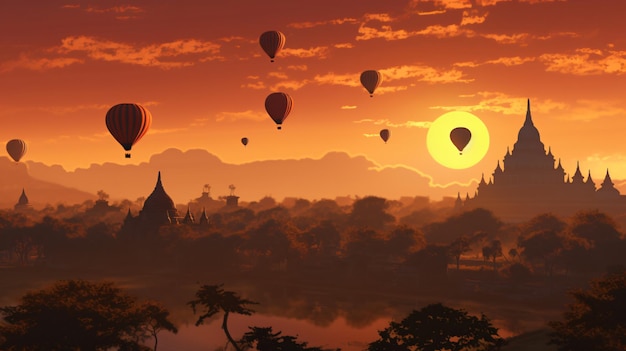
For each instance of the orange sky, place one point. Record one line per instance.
(198, 67)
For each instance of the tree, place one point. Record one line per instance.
(76, 315)
(215, 300)
(437, 327)
(370, 212)
(265, 340)
(596, 320)
(156, 319)
(493, 251)
(458, 247)
(474, 222)
(543, 245)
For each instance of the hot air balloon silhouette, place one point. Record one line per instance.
(371, 80)
(16, 149)
(128, 123)
(272, 42)
(244, 141)
(460, 138)
(278, 106)
(384, 134)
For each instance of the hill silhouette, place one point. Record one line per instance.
(16, 176)
(184, 174)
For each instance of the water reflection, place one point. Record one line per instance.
(345, 316)
(337, 334)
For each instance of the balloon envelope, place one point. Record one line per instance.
(128, 123)
(244, 141)
(272, 42)
(460, 137)
(384, 134)
(16, 149)
(278, 106)
(371, 80)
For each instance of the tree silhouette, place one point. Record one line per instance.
(596, 320)
(214, 299)
(467, 223)
(437, 327)
(492, 251)
(77, 315)
(370, 212)
(156, 319)
(265, 340)
(458, 247)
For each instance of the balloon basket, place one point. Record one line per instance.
(127, 155)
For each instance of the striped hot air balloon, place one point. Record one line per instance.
(272, 42)
(128, 123)
(16, 149)
(371, 80)
(278, 106)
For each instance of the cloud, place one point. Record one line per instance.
(385, 32)
(473, 17)
(318, 52)
(586, 61)
(508, 38)
(505, 61)
(278, 75)
(338, 21)
(122, 12)
(388, 123)
(391, 74)
(505, 104)
(258, 85)
(581, 110)
(155, 55)
(348, 107)
(453, 4)
(430, 13)
(344, 46)
(154, 131)
(590, 110)
(38, 64)
(298, 67)
(289, 85)
(424, 74)
(249, 115)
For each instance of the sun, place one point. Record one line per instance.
(443, 150)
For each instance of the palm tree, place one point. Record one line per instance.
(215, 299)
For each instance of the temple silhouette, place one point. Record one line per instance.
(159, 210)
(22, 203)
(528, 183)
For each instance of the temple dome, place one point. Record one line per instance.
(528, 132)
(158, 203)
(528, 138)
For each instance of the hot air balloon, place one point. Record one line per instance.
(371, 80)
(16, 149)
(128, 123)
(460, 137)
(244, 141)
(384, 134)
(278, 106)
(272, 42)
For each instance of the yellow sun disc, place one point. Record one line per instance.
(443, 150)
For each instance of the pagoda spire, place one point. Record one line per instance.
(529, 119)
(578, 176)
(607, 180)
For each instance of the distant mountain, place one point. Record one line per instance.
(15, 176)
(185, 173)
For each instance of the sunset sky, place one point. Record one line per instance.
(198, 67)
